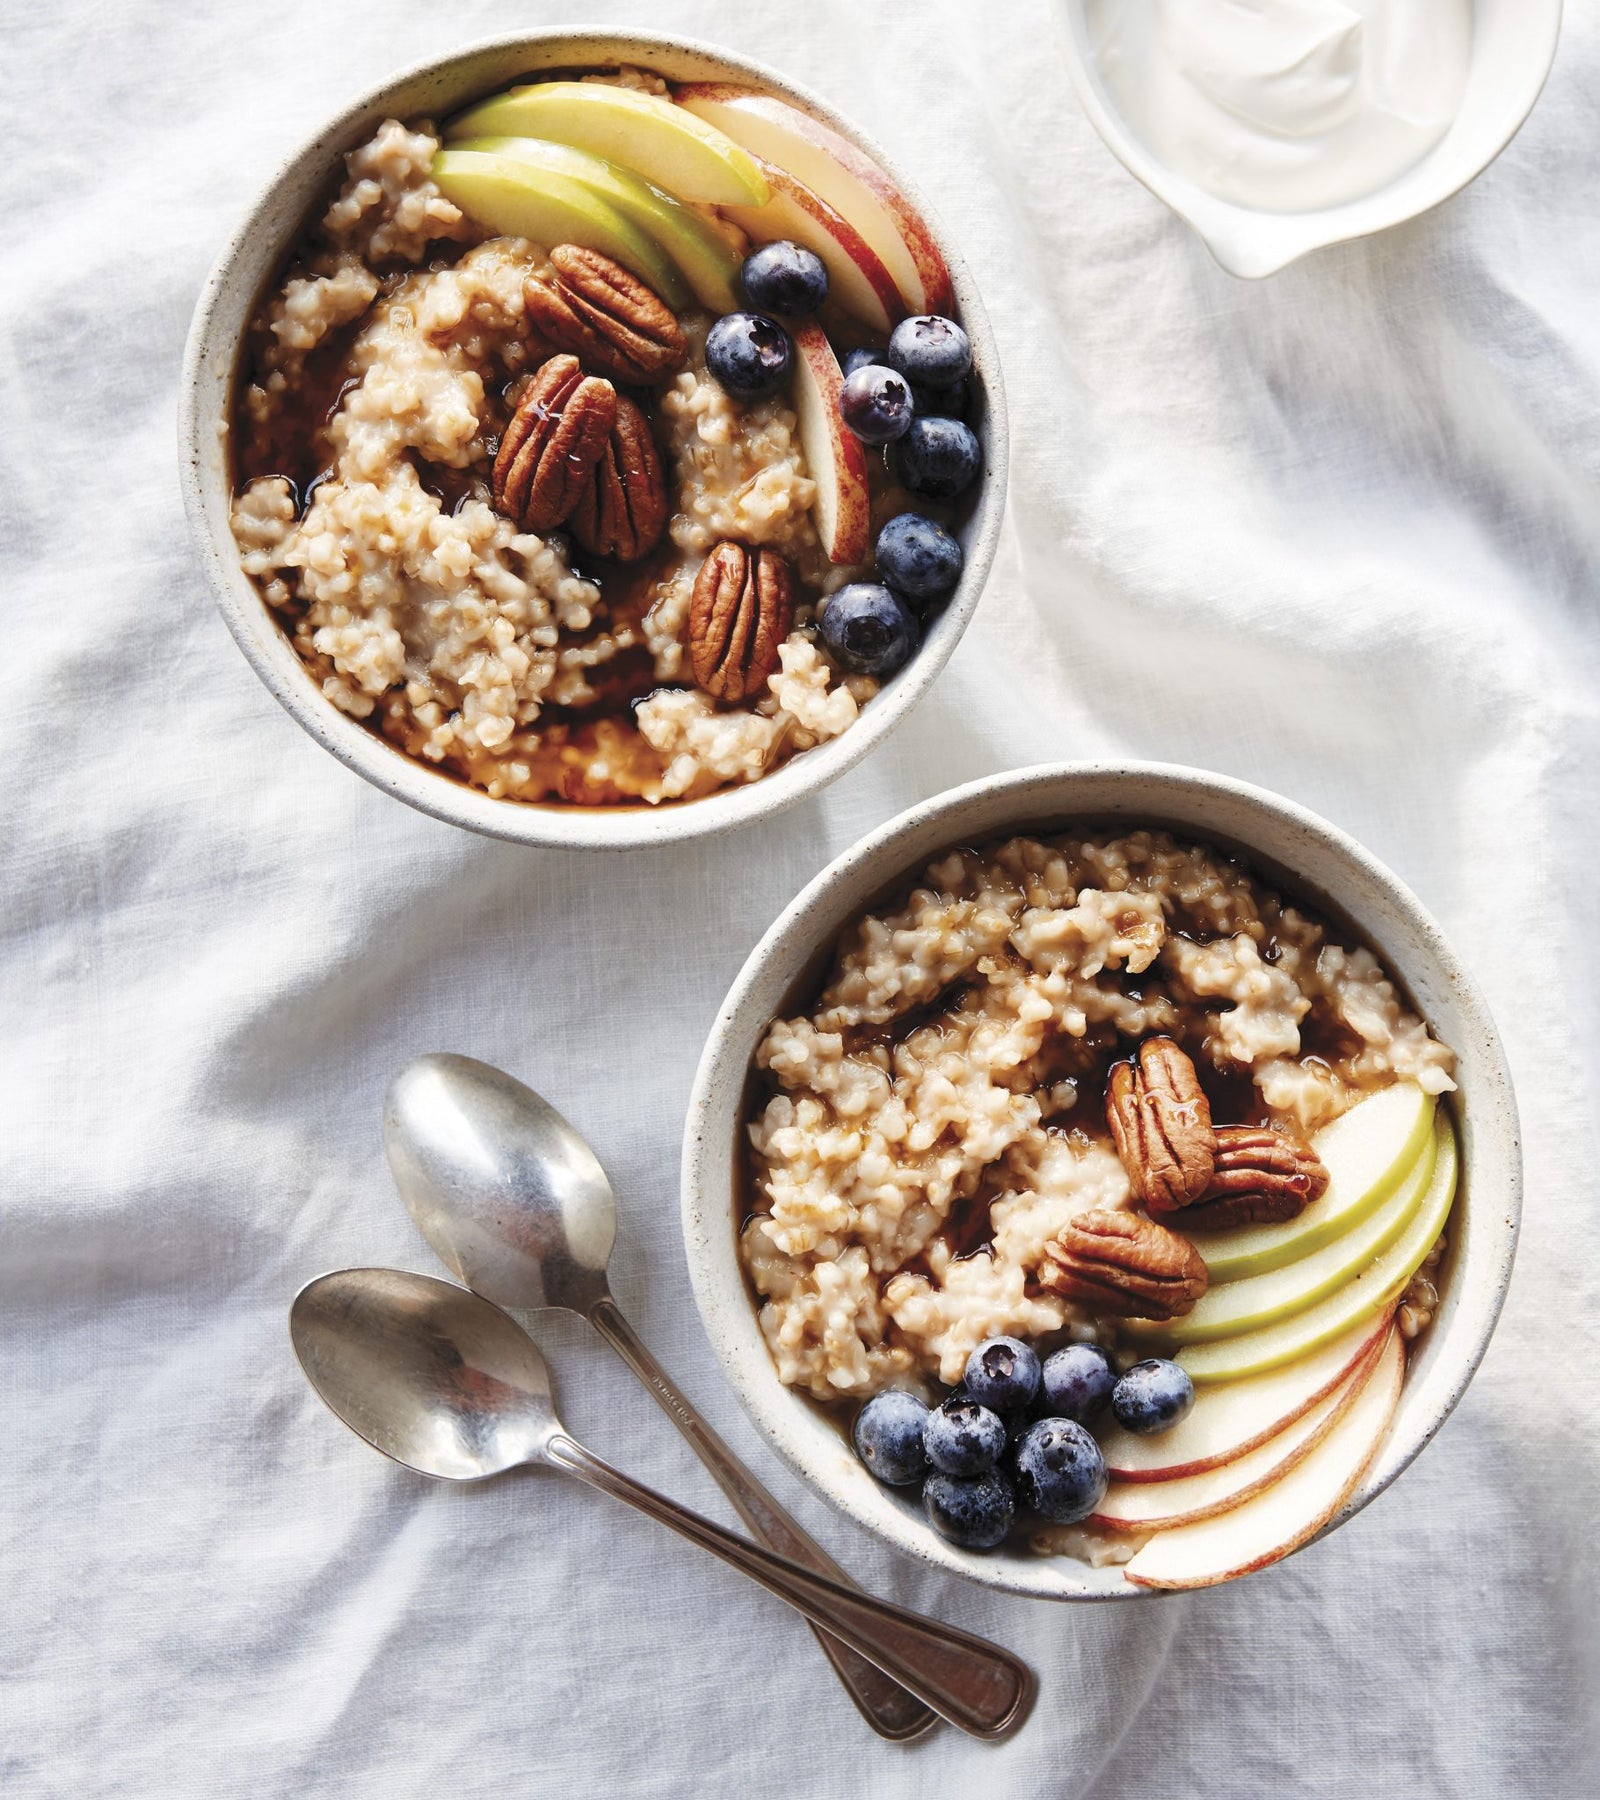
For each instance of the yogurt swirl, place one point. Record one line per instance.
(1285, 105)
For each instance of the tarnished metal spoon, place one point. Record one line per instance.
(515, 1203)
(437, 1378)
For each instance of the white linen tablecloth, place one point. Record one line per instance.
(1336, 533)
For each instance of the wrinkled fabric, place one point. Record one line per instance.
(1336, 533)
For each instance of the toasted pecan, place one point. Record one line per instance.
(739, 615)
(1119, 1263)
(622, 511)
(555, 437)
(606, 316)
(1260, 1177)
(1160, 1120)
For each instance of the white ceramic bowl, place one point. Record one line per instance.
(254, 256)
(1281, 840)
(1514, 45)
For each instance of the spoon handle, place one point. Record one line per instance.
(882, 1702)
(977, 1686)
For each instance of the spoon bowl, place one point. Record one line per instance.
(424, 1372)
(510, 1198)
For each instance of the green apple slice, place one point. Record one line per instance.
(643, 132)
(522, 200)
(706, 259)
(1367, 1152)
(1257, 1300)
(1363, 1296)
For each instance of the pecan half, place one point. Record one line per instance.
(595, 308)
(622, 510)
(552, 443)
(1161, 1122)
(1116, 1262)
(1260, 1178)
(740, 613)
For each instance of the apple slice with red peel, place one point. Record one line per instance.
(857, 279)
(835, 170)
(834, 455)
(1162, 1505)
(1289, 1513)
(1235, 1418)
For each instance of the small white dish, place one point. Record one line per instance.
(1281, 839)
(257, 252)
(1514, 46)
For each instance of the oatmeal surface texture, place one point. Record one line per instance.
(954, 1063)
(450, 629)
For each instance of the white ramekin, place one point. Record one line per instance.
(254, 256)
(1514, 45)
(1280, 839)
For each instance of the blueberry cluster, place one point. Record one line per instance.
(1014, 1434)
(910, 397)
(749, 353)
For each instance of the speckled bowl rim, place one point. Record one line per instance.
(1329, 864)
(256, 250)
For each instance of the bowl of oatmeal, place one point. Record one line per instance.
(1125, 1057)
(530, 462)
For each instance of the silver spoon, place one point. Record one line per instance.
(437, 1378)
(514, 1202)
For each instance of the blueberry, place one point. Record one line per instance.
(937, 458)
(1077, 1383)
(859, 359)
(888, 1437)
(975, 1512)
(784, 278)
(963, 1438)
(1060, 1471)
(876, 404)
(1152, 1396)
(748, 354)
(868, 628)
(918, 558)
(930, 351)
(941, 402)
(1003, 1374)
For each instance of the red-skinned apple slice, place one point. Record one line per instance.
(857, 279)
(1238, 1417)
(834, 455)
(1163, 1505)
(1289, 1513)
(845, 177)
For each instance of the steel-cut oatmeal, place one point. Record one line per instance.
(932, 1126)
(515, 508)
